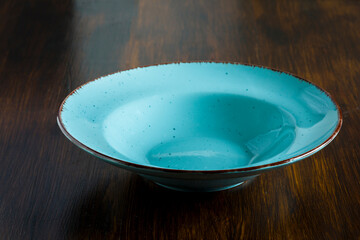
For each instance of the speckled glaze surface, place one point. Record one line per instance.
(200, 126)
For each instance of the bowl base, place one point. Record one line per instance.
(200, 190)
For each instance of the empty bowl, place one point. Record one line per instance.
(200, 126)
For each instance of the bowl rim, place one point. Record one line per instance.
(170, 170)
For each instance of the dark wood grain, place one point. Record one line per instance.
(50, 189)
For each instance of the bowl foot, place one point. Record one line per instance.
(200, 190)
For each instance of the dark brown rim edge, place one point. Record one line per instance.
(245, 169)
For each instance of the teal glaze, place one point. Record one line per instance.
(200, 126)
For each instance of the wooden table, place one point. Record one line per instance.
(50, 189)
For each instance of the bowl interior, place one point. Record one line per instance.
(199, 116)
(199, 131)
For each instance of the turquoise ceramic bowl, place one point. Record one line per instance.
(200, 126)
